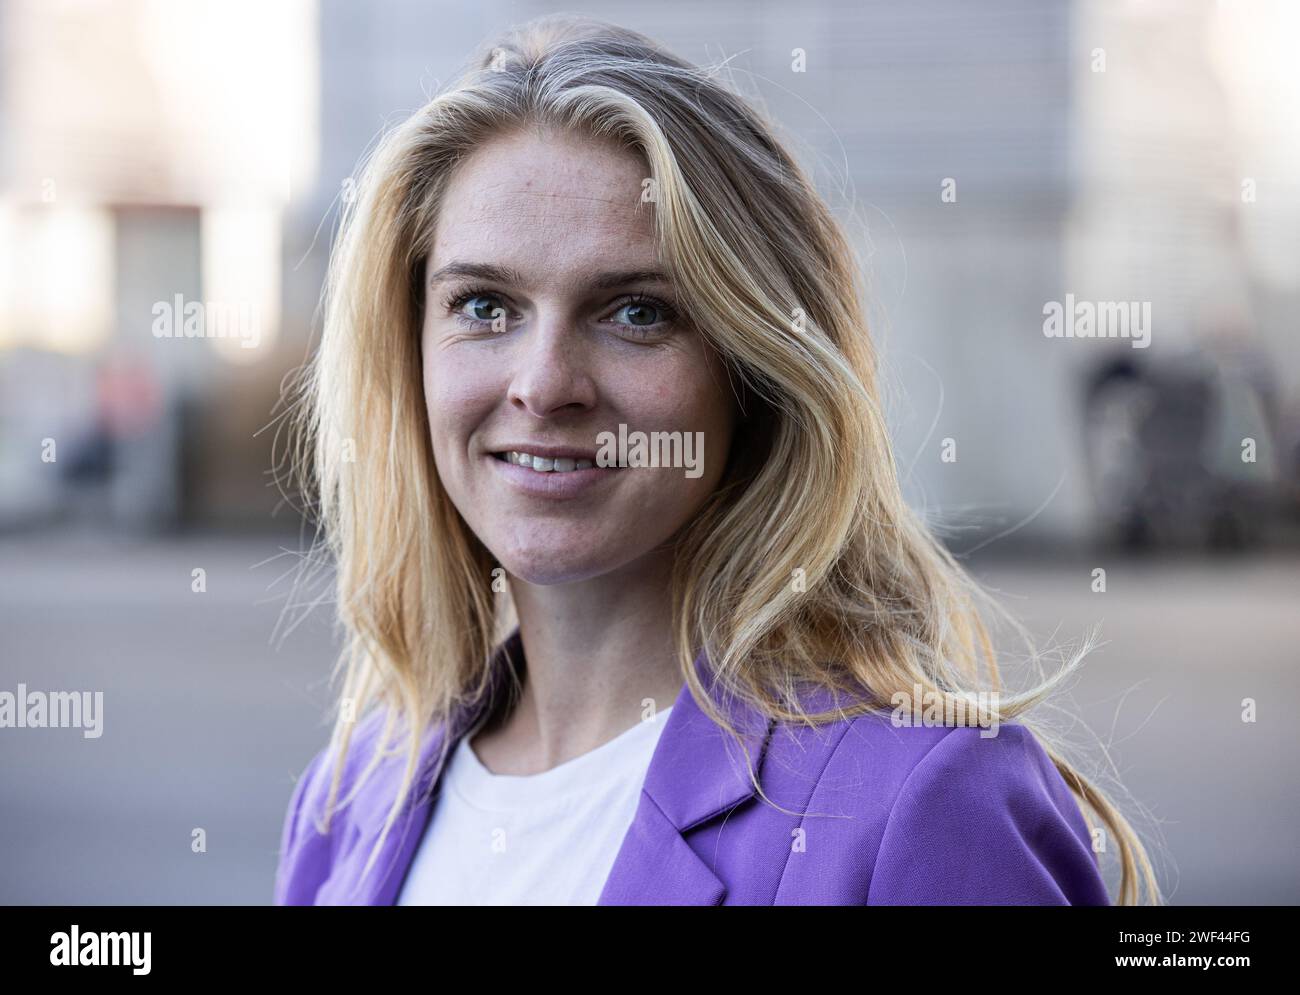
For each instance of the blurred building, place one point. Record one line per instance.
(988, 159)
(151, 152)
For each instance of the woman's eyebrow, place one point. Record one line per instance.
(608, 281)
(507, 275)
(477, 271)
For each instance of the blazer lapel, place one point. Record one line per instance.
(383, 885)
(696, 772)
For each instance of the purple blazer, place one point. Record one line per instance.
(879, 815)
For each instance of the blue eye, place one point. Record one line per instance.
(646, 311)
(482, 313)
(646, 314)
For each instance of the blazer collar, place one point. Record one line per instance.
(696, 772)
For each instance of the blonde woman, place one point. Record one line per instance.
(588, 668)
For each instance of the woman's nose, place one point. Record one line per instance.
(549, 368)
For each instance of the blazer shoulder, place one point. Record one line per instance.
(983, 819)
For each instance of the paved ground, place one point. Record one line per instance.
(208, 721)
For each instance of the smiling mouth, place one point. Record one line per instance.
(542, 464)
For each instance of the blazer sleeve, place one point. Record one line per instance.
(986, 821)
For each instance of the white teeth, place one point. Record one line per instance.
(560, 464)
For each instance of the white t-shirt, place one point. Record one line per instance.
(540, 839)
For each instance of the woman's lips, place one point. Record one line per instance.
(554, 484)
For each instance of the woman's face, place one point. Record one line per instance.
(544, 326)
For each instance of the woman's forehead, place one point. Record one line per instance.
(530, 218)
(560, 164)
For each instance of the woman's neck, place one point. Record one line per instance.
(599, 656)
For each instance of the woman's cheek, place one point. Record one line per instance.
(458, 389)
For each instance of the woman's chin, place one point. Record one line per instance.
(545, 567)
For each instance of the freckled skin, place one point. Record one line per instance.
(561, 209)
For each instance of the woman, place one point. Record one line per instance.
(588, 240)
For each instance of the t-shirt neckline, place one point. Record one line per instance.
(612, 760)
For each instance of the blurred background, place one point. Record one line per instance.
(162, 160)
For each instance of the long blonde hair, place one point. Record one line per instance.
(810, 490)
